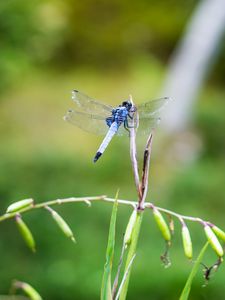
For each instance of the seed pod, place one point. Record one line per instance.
(129, 229)
(162, 224)
(29, 290)
(171, 225)
(187, 244)
(25, 232)
(62, 224)
(19, 205)
(213, 241)
(220, 233)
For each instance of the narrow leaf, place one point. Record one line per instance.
(187, 288)
(125, 277)
(131, 253)
(115, 283)
(106, 291)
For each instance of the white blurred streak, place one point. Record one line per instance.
(191, 61)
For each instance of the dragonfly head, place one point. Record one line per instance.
(127, 104)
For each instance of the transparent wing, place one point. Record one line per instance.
(122, 131)
(144, 126)
(97, 125)
(152, 108)
(88, 122)
(92, 115)
(86, 104)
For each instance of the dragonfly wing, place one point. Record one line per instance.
(145, 118)
(147, 124)
(86, 121)
(122, 131)
(153, 107)
(86, 104)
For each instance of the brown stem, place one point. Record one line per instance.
(133, 156)
(145, 172)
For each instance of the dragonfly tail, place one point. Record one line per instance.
(111, 132)
(97, 156)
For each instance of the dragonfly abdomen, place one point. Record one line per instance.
(111, 132)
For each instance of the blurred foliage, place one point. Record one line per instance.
(112, 33)
(17, 29)
(211, 124)
(97, 33)
(201, 184)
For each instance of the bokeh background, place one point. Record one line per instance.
(107, 49)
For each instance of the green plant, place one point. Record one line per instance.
(130, 241)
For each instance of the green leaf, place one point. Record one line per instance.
(123, 281)
(131, 254)
(106, 291)
(187, 288)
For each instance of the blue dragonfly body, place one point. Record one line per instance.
(98, 118)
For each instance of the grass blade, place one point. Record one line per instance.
(115, 284)
(125, 277)
(106, 291)
(187, 288)
(130, 255)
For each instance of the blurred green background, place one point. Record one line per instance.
(107, 49)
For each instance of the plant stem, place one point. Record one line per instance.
(53, 202)
(133, 154)
(94, 199)
(145, 172)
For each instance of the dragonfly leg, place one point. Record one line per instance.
(130, 116)
(109, 121)
(126, 124)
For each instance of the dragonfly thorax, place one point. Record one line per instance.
(120, 114)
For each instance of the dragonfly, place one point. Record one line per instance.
(103, 119)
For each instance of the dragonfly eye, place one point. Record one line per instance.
(127, 104)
